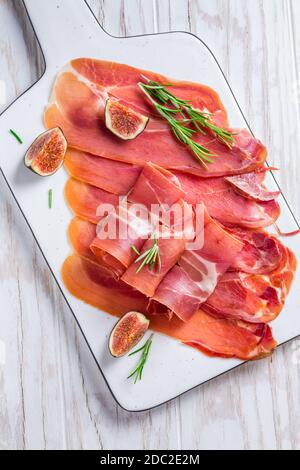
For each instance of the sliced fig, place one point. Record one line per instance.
(127, 333)
(47, 153)
(124, 122)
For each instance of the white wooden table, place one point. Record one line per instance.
(51, 393)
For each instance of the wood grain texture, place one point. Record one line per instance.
(51, 393)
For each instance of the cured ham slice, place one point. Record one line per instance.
(191, 283)
(147, 280)
(121, 81)
(262, 253)
(217, 337)
(118, 233)
(242, 297)
(251, 186)
(219, 198)
(156, 186)
(112, 176)
(78, 105)
(82, 234)
(98, 172)
(95, 285)
(224, 338)
(253, 298)
(225, 205)
(179, 293)
(84, 200)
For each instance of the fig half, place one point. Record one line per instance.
(124, 122)
(47, 153)
(127, 333)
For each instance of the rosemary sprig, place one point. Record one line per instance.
(150, 257)
(138, 371)
(190, 120)
(16, 136)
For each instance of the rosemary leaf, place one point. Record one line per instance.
(162, 99)
(150, 257)
(145, 349)
(16, 136)
(50, 198)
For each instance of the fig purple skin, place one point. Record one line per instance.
(124, 122)
(128, 331)
(47, 153)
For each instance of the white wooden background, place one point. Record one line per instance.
(51, 393)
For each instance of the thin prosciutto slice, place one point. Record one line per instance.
(244, 297)
(251, 186)
(222, 202)
(225, 205)
(111, 176)
(250, 297)
(118, 233)
(147, 280)
(156, 186)
(98, 172)
(81, 235)
(78, 103)
(262, 253)
(226, 338)
(95, 285)
(190, 284)
(215, 336)
(85, 200)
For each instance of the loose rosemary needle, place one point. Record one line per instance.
(185, 120)
(16, 136)
(50, 198)
(138, 371)
(150, 257)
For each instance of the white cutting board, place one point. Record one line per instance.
(67, 29)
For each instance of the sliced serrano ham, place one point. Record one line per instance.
(226, 338)
(216, 336)
(95, 285)
(111, 176)
(155, 188)
(179, 294)
(221, 201)
(82, 234)
(156, 185)
(191, 283)
(262, 253)
(85, 200)
(242, 297)
(216, 193)
(78, 105)
(147, 280)
(217, 297)
(121, 81)
(225, 205)
(251, 186)
(118, 233)
(253, 298)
